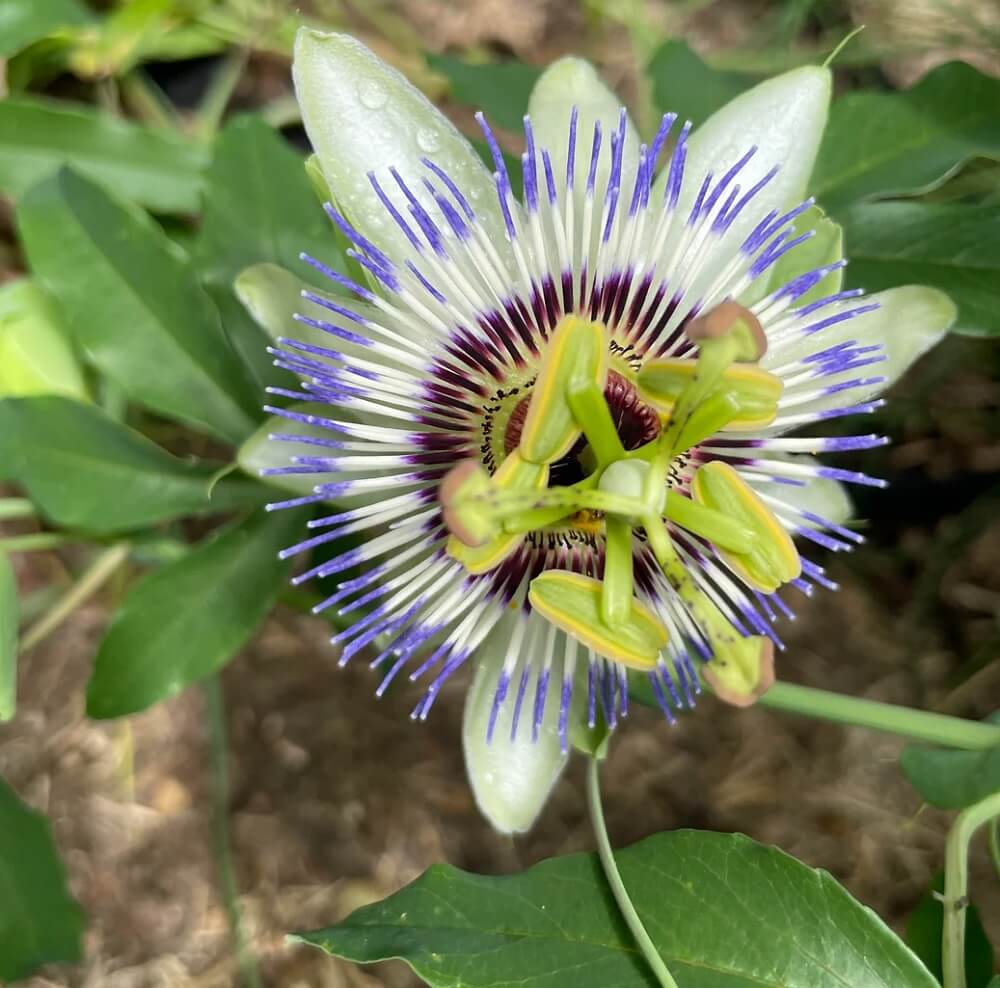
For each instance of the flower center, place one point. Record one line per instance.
(577, 416)
(636, 422)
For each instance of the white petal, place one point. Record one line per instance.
(260, 452)
(908, 322)
(273, 294)
(511, 780)
(784, 117)
(574, 82)
(362, 115)
(824, 497)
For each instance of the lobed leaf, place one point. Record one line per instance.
(155, 169)
(500, 89)
(134, 304)
(889, 144)
(955, 248)
(683, 84)
(39, 921)
(85, 470)
(952, 779)
(181, 623)
(259, 206)
(22, 24)
(723, 911)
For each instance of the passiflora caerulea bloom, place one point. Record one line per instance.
(557, 423)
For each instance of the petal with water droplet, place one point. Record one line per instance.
(363, 116)
(784, 118)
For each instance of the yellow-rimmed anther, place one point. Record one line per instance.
(773, 559)
(742, 671)
(461, 494)
(576, 354)
(572, 602)
(755, 392)
(515, 473)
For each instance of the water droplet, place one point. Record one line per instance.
(372, 93)
(428, 140)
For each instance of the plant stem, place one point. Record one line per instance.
(33, 542)
(956, 884)
(607, 856)
(220, 91)
(148, 102)
(16, 507)
(281, 112)
(215, 713)
(920, 725)
(86, 586)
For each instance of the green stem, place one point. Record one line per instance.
(920, 725)
(16, 507)
(148, 102)
(220, 91)
(607, 856)
(843, 44)
(215, 713)
(33, 542)
(86, 586)
(282, 112)
(994, 844)
(956, 884)
(590, 409)
(617, 586)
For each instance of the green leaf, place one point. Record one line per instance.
(685, 85)
(85, 470)
(8, 639)
(723, 911)
(23, 23)
(924, 931)
(499, 89)
(133, 302)
(185, 621)
(259, 206)
(952, 779)
(153, 168)
(35, 355)
(248, 340)
(122, 37)
(889, 144)
(39, 922)
(951, 247)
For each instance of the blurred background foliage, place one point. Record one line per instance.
(150, 152)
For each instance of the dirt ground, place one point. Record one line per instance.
(337, 799)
